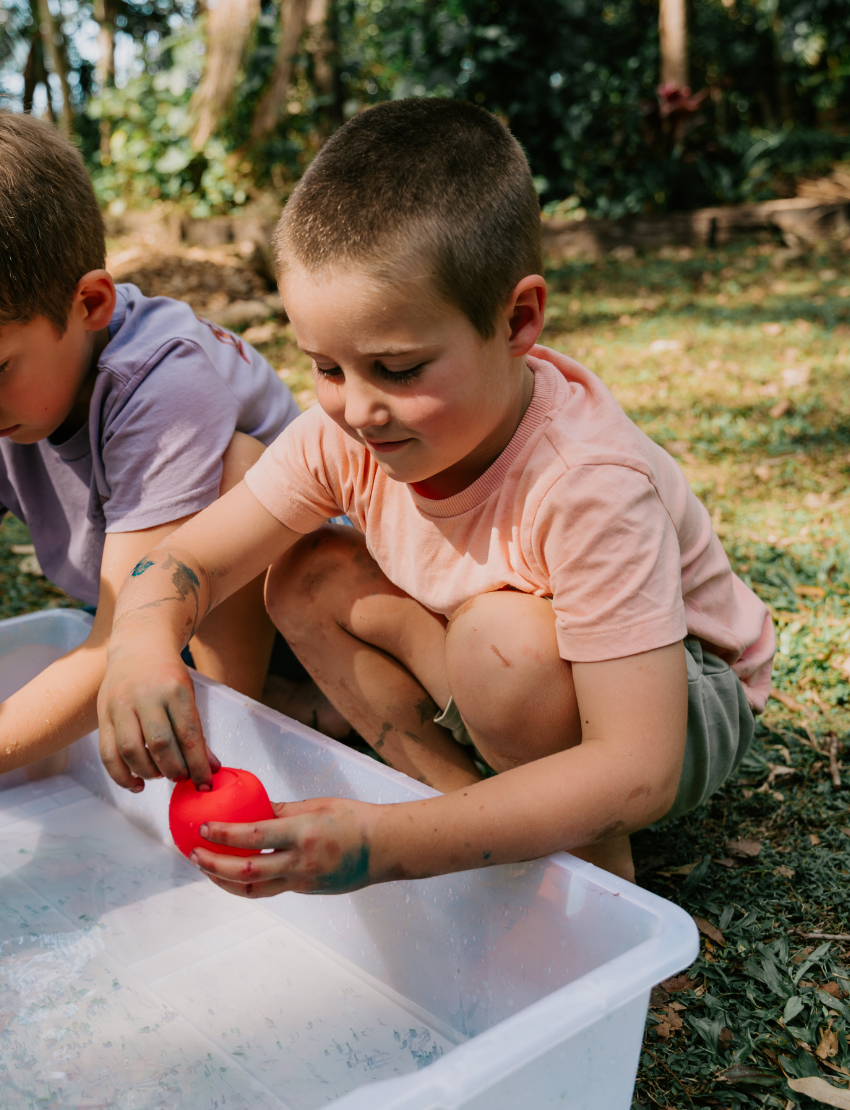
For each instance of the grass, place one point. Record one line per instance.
(740, 368)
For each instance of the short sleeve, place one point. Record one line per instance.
(161, 450)
(299, 478)
(611, 552)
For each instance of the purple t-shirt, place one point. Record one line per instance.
(170, 391)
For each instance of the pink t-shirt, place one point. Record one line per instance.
(581, 507)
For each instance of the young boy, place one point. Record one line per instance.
(120, 417)
(529, 574)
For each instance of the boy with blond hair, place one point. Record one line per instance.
(530, 583)
(120, 417)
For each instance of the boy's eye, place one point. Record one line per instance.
(4, 366)
(331, 372)
(399, 377)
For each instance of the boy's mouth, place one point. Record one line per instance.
(385, 446)
(9, 431)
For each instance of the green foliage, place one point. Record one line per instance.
(575, 79)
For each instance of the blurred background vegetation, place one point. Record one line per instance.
(213, 108)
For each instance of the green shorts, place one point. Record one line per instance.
(720, 729)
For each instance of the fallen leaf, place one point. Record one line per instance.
(828, 1044)
(810, 591)
(814, 839)
(663, 1030)
(784, 872)
(677, 446)
(744, 849)
(724, 861)
(748, 1076)
(845, 829)
(795, 375)
(677, 983)
(658, 997)
(832, 988)
(677, 1006)
(30, 565)
(814, 1087)
(673, 1018)
(726, 1036)
(709, 930)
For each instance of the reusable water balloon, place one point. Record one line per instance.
(236, 796)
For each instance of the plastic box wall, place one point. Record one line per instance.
(542, 970)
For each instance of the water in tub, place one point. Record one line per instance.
(130, 982)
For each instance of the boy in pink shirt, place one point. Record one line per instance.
(530, 584)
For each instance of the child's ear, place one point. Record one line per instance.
(526, 306)
(95, 299)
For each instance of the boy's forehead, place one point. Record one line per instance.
(384, 316)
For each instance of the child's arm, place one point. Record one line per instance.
(148, 721)
(622, 776)
(60, 704)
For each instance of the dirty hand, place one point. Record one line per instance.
(149, 724)
(321, 846)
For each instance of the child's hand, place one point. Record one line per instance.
(149, 724)
(321, 846)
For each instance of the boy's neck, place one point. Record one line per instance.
(460, 476)
(79, 414)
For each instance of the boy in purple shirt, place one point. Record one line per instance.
(120, 416)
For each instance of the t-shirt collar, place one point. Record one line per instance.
(539, 409)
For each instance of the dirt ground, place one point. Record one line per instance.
(228, 285)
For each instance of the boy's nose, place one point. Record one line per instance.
(364, 408)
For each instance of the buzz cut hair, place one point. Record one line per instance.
(422, 181)
(51, 228)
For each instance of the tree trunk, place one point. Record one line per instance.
(322, 49)
(273, 101)
(104, 72)
(33, 71)
(673, 37)
(54, 45)
(228, 26)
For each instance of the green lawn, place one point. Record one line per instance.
(740, 367)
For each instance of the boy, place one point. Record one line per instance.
(120, 417)
(529, 573)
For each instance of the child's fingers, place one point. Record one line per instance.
(256, 835)
(159, 750)
(110, 752)
(185, 728)
(244, 870)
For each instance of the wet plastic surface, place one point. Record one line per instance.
(129, 981)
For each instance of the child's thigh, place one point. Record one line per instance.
(509, 682)
(328, 583)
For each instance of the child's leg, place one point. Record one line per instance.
(516, 694)
(234, 643)
(375, 652)
(387, 664)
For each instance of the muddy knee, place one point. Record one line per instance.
(299, 586)
(512, 688)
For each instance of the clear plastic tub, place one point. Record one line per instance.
(128, 981)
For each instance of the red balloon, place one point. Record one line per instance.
(236, 796)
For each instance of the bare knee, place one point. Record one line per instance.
(512, 688)
(299, 586)
(241, 454)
